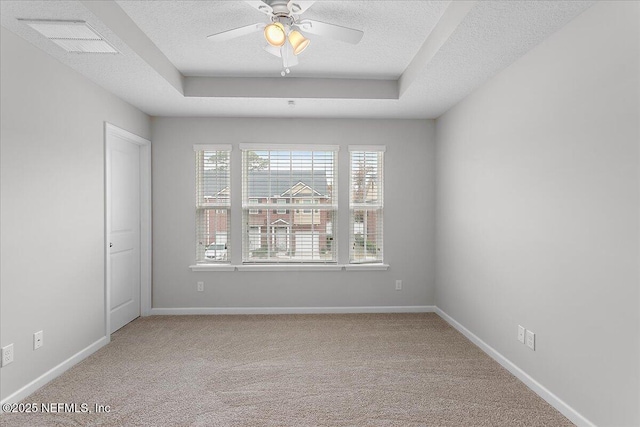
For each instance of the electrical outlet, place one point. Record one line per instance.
(531, 340)
(7, 354)
(398, 285)
(521, 331)
(38, 340)
(200, 286)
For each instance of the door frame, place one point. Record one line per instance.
(111, 131)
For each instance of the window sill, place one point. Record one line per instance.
(366, 267)
(289, 267)
(212, 267)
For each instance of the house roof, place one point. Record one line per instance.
(274, 183)
(270, 183)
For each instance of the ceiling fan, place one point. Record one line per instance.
(285, 33)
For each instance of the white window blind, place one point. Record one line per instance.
(366, 203)
(213, 203)
(280, 185)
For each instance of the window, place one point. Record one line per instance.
(253, 202)
(366, 204)
(284, 175)
(212, 203)
(281, 202)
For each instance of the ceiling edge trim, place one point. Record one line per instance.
(112, 15)
(290, 87)
(446, 26)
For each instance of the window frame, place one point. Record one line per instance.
(217, 207)
(274, 206)
(376, 207)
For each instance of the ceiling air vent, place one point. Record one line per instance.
(72, 36)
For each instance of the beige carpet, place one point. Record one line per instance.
(292, 370)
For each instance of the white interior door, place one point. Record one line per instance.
(123, 230)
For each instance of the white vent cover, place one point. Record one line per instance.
(72, 36)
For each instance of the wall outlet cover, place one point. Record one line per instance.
(521, 331)
(38, 340)
(531, 340)
(7, 354)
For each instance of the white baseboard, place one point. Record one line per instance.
(566, 410)
(55, 371)
(573, 415)
(292, 310)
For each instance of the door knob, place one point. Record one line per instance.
(110, 244)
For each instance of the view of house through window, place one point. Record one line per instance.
(212, 203)
(289, 204)
(366, 204)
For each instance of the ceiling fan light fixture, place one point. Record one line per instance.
(298, 42)
(275, 34)
(273, 50)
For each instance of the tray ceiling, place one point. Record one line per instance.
(416, 59)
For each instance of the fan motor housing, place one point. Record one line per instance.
(279, 7)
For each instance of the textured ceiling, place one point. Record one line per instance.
(380, 54)
(490, 37)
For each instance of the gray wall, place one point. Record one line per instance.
(52, 207)
(538, 213)
(537, 208)
(408, 216)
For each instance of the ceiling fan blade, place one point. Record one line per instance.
(333, 31)
(260, 6)
(236, 32)
(299, 6)
(273, 50)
